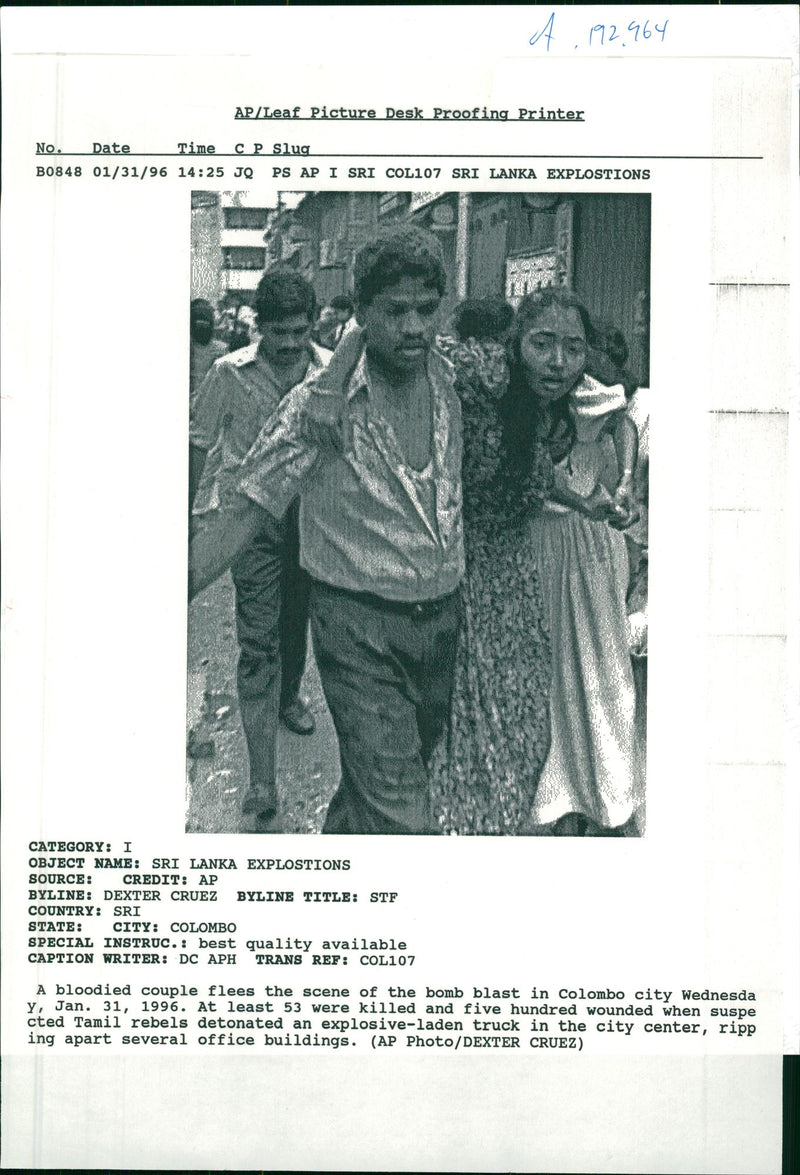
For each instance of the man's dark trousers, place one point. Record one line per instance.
(387, 674)
(272, 594)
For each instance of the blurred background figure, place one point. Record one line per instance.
(248, 322)
(204, 349)
(607, 360)
(608, 355)
(482, 319)
(326, 329)
(344, 310)
(240, 334)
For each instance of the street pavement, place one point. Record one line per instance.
(217, 769)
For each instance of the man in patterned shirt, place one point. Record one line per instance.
(241, 393)
(378, 467)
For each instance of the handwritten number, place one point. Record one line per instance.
(600, 30)
(548, 35)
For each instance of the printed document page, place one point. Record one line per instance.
(395, 333)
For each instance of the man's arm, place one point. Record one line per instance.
(207, 406)
(217, 539)
(274, 472)
(197, 460)
(325, 421)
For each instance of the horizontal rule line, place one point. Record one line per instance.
(354, 155)
(444, 121)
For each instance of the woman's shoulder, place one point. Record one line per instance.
(480, 367)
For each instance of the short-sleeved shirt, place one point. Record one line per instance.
(228, 410)
(368, 521)
(201, 357)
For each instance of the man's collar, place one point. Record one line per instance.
(244, 356)
(252, 354)
(440, 370)
(320, 357)
(359, 380)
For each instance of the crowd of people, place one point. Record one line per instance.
(460, 511)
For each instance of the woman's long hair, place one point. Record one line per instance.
(519, 409)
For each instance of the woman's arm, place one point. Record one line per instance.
(598, 506)
(626, 447)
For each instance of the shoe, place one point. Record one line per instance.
(297, 716)
(263, 804)
(573, 824)
(267, 823)
(199, 748)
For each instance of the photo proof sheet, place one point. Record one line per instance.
(396, 333)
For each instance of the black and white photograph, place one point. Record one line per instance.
(327, 514)
(418, 512)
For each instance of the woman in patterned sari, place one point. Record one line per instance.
(485, 772)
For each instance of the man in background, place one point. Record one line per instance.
(240, 394)
(326, 328)
(344, 310)
(204, 349)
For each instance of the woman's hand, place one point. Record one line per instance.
(599, 505)
(626, 510)
(623, 495)
(637, 633)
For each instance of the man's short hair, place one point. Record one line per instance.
(397, 253)
(342, 303)
(281, 295)
(482, 319)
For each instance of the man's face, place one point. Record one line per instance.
(284, 343)
(342, 316)
(202, 326)
(553, 350)
(400, 322)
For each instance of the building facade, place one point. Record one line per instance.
(498, 244)
(229, 250)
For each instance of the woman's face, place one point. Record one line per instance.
(553, 349)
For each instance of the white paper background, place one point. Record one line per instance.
(95, 410)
